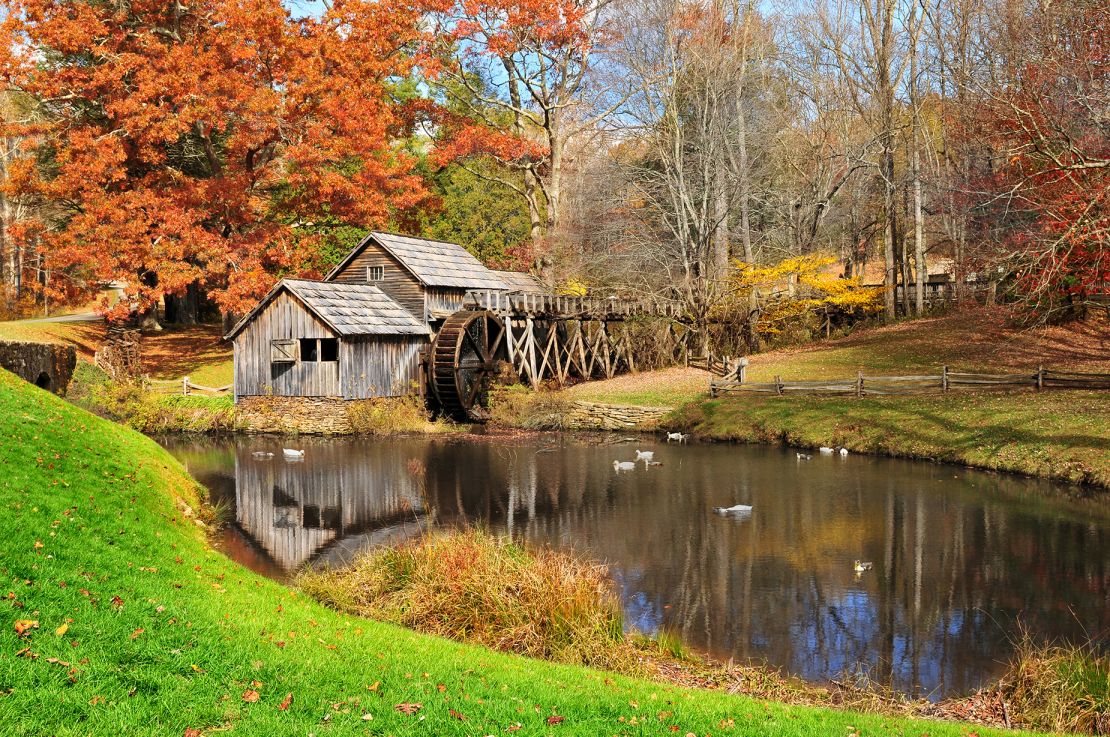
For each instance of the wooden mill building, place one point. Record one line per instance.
(359, 333)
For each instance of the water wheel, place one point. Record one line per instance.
(463, 360)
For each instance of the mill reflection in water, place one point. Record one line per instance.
(962, 560)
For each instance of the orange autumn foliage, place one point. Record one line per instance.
(179, 144)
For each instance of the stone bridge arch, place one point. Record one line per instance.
(48, 366)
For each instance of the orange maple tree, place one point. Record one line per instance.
(196, 143)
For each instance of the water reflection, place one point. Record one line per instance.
(960, 558)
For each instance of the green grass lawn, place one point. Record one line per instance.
(1054, 434)
(143, 629)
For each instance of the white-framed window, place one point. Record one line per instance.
(375, 273)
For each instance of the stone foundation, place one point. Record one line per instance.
(303, 415)
(47, 365)
(599, 416)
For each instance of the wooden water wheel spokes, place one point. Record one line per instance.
(464, 358)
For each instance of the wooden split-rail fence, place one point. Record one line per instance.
(186, 386)
(945, 381)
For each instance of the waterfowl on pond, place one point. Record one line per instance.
(678, 437)
(644, 455)
(623, 465)
(734, 509)
(291, 453)
(843, 451)
(825, 451)
(262, 454)
(804, 456)
(861, 566)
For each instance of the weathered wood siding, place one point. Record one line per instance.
(295, 511)
(398, 282)
(381, 366)
(443, 301)
(283, 319)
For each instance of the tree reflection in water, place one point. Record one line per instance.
(961, 559)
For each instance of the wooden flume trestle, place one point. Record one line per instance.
(545, 338)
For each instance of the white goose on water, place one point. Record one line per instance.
(623, 465)
(644, 455)
(825, 451)
(843, 452)
(291, 453)
(734, 509)
(678, 437)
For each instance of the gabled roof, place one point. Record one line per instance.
(518, 281)
(434, 263)
(348, 309)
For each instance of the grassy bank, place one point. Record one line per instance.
(1053, 434)
(122, 620)
(1060, 434)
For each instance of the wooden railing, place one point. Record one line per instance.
(945, 381)
(555, 305)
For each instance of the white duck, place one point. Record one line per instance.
(843, 452)
(804, 456)
(291, 453)
(619, 466)
(734, 509)
(678, 437)
(645, 455)
(825, 451)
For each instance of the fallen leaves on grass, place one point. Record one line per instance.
(457, 715)
(250, 696)
(22, 626)
(138, 631)
(61, 630)
(285, 702)
(555, 719)
(407, 708)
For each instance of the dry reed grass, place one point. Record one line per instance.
(473, 587)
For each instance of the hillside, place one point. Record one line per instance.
(121, 619)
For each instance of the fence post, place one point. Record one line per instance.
(1040, 377)
(778, 385)
(944, 379)
(859, 383)
(185, 386)
(741, 369)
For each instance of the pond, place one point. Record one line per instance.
(962, 561)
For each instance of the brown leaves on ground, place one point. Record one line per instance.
(285, 702)
(138, 631)
(192, 732)
(22, 626)
(456, 715)
(62, 629)
(407, 708)
(117, 602)
(556, 719)
(250, 696)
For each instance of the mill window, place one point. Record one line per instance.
(375, 273)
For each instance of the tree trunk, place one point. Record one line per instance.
(744, 183)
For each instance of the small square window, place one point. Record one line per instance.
(283, 351)
(308, 349)
(329, 349)
(375, 273)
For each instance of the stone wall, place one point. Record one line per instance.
(47, 365)
(599, 416)
(304, 415)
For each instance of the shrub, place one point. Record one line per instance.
(519, 406)
(149, 412)
(1058, 688)
(391, 415)
(473, 587)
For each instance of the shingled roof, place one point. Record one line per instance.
(348, 309)
(434, 263)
